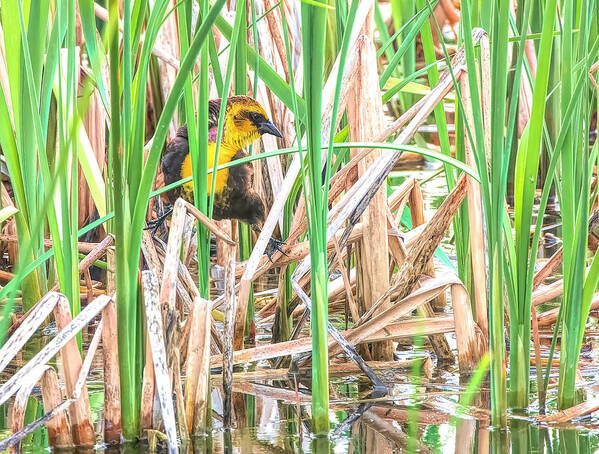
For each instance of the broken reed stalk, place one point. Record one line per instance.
(17, 416)
(353, 307)
(209, 223)
(429, 290)
(201, 330)
(229, 281)
(112, 387)
(50, 418)
(420, 252)
(195, 346)
(380, 389)
(45, 354)
(80, 412)
(475, 223)
(561, 417)
(471, 340)
(97, 251)
(38, 314)
(365, 119)
(59, 435)
(393, 331)
(156, 335)
(439, 343)
(416, 203)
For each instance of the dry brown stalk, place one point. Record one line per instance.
(17, 415)
(547, 292)
(209, 223)
(419, 252)
(229, 281)
(98, 250)
(548, 268)
(365, 119)
(148, 389)
(582, 409)
(272, 392)
(475, 221)
(180, 402)
(83, 247)
(549, 317)
(419, 255)
(471, 341)
(156, 335)
(80, 412)
(55, 413)
(429, 290)
(45, 354)
(420, 111)
(38, 361)
(353, 307)
(294, 253)
(416, 202)
(169, 281)
(10, 226)
(59, 435)
(397, 330)
(37, 315)
(593, 69)
(396, 246)
(197, 371)
(202, 393)
(112, 385)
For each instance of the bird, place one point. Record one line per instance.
(245, 121)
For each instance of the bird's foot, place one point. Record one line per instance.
(155, 224)
(272, 247)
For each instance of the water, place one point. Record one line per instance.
(421, 413)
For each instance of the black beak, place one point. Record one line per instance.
(267, 127)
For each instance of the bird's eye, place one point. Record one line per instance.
(254, 116)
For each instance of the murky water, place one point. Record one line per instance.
(422, 413)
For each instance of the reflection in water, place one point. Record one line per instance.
(426, 423)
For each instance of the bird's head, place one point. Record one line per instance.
(246, 121)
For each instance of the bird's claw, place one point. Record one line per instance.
(155, 224)
(272, 247)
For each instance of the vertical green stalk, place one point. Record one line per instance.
(240, 86)
(527, 164)
(313, 40)
(126, 281)
(492, 186)
(200, 165)
(577, 169)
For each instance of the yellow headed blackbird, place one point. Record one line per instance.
(234, 196)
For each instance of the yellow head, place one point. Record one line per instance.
(246, 121)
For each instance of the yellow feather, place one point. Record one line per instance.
(225, 155)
